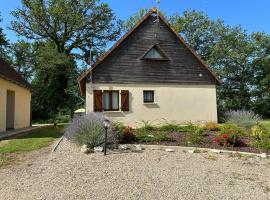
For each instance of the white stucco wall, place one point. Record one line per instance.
(22, 105)
(179, 103)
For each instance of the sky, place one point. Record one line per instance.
(252, 15)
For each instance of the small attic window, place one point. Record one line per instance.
(154, 53)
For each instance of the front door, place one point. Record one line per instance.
(10, 110)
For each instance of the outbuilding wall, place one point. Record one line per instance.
(22, 105)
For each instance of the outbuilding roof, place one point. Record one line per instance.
(8, 73)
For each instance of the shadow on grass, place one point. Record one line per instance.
(46, 132)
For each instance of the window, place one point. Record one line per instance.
(148, 96)
(110, 100)
(155, 53)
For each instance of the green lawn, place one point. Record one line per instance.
(11, 148)
(266, 123)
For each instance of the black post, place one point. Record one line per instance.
(105, 142)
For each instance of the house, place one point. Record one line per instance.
(151, 74)
(15, 99)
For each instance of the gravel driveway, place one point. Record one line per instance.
(152, 174)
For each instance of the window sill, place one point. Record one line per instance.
(113, 111)
(150, 103)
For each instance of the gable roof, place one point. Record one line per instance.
(82, 78)
(8, 73)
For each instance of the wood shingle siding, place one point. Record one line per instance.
(124, 65)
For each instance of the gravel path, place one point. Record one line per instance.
(152, 174)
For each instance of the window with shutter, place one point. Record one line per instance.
(125, 100)
(110, 100)
(98, 106)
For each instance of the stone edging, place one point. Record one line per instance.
(162, 147)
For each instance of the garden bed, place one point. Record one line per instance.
(179, 139)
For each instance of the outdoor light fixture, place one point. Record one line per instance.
(106, 124)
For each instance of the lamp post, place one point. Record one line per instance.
(106, 124)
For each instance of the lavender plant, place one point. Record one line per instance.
(242, 118)
(88, 129)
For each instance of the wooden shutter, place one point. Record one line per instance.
(98, 101)
(125, 100)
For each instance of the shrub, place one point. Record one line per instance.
(147, 126)
(242, 118)
(260, 137)
(170, 127)
(118, 129)
(128, 135)
(211, 126)
(159, 137)
(88, 129)
(229, 134)
(195, 135)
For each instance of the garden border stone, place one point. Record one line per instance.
(163, 147)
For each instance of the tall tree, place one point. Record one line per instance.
(22, 56)
(74, 26)
(54, 75)
(261, 65)
(63, 31)
(3, 42)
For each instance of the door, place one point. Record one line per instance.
(10, 110)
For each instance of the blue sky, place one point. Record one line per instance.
(252, 15)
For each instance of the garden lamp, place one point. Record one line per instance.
(106, 124)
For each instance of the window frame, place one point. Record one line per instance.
(160, 51)
(111, 100)
(153, 95)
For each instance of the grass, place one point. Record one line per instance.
(266, 123)
(30, 141)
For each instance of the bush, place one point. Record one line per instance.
(242, 118)
(159, 137)
(88, 129)
(211, 126)
(170, 127)
(229, 134)
(147, 126)
(124, 133)
(260, 137)
(194, 135)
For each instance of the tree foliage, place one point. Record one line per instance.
(74, 27)
(62, 33)
(3, 42)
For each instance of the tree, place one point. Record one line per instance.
(3, 42)
(22, 55)
(74, 27)
(133, 20)
(54, 82)
(62, 31)
(261, 84)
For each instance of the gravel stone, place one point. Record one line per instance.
(152, 174)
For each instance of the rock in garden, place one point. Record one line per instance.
(216, 151)
(123, 147)
(191, 151)
(150, 135)
(85, 149)
(138, 147)
(169, 150)
(98, 149)
(264, 155)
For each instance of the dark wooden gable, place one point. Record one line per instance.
(124, 64)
